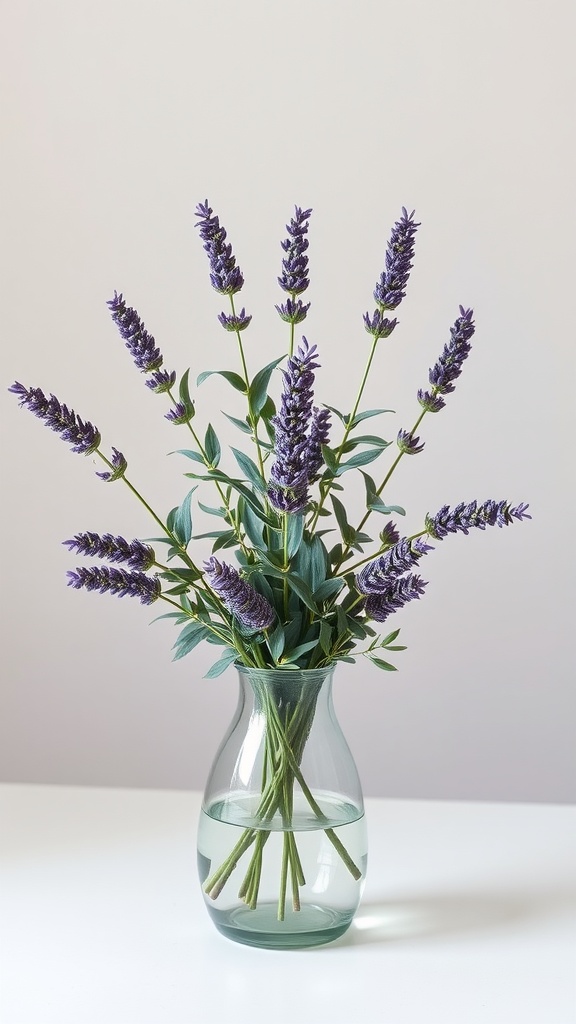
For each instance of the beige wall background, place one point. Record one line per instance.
(118, 117)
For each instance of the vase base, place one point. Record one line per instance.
(312, 925)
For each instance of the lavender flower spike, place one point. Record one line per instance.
(468, 516)
(136, 554)
(449, 365)
(140, 344)
(378, 576)
(390, 289)
(225, 276)
(399, 593)
(107, 579)
(292, 470)
(250, 608)
(83, 436)
(319, 435)
(294, 278)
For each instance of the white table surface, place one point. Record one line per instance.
(468, 917)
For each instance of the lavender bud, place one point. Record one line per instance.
(430, 401)
(399, 593)
(136, 554)
(161, 381)
(83, 437)
(465, 517)
(378, 324)
(294, 277)
(240, 598)
(390, 289)
(238, 322)
(225, 276)
(181, 413)
(119, 468)
(408, 443)
(293, 312)
(116, 581)
(389, 536)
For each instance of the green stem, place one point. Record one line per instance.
(251, 416)
(326, 489)
(369, 511)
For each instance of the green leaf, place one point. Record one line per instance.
(250, 470)
(328, 589)
(341, 416)
(233, 378)
(346, 530)
(368, 415)
(295, 533)
(385, 665)
(222, 664)
(241, 424)
(185, 395)
(220, 512)
(212, 446)
(361, 459)
(182, 527)
(329, 456)
(373, 439)
(187, 643)
(325, 637)
(252, 523)
(303, 591)
(258, 391)
(389, 639)
(298, 652)
(195, 456)
(227, 540)
(276, 642)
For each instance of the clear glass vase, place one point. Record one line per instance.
(282, 837)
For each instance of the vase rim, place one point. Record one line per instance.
(296, 674)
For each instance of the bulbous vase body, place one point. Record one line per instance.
(282, 837)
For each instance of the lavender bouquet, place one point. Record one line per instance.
(302, 593)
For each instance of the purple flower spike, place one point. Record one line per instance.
(377, 576)
(449, 365)
(399, 593)
(292, 470)
(319, 435)
(408, 443)
(83, 437)
(250, 608)
(390, 289)
(465, 517)
(294, 277)
(140, 344)
(119, 468)
(225, 276)
(136, 554)
(116, 581)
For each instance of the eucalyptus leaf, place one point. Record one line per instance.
(195, 456)
(276, 642)
(185, 395)
(212, 446)
(222, 664)
(233, 378)
(385, 665)
(250, 470)
(183, 519)
(258, 391)
(328, 589)
(241, 424)
(361, 459)
(368, 414)
(295, 534)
